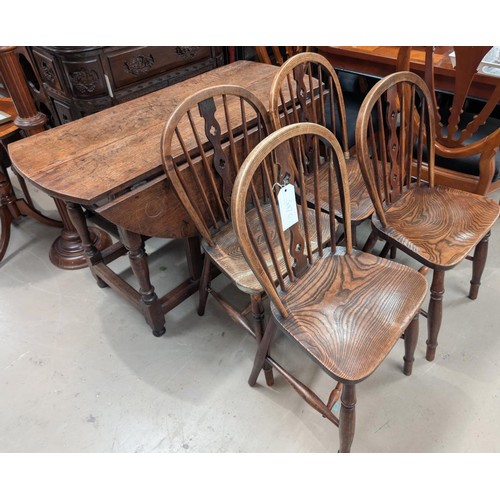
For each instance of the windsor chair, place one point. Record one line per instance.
(204, 143)
(436, 225)
(346, 309)
(296, 98)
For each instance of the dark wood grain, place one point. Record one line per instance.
(346, 309)
(203, 145)
(103, 154)
(292, 100)
(436, 225)
(276, 55)
(326, 306)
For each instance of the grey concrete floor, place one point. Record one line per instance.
(80, 370)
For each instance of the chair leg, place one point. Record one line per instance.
(354, 236)
(370, 242)
(258, 316)
(435, 313)
(478, 263)
(411, 338)
(347, 421)
(204, 283)
(385, 250)
(262, 351)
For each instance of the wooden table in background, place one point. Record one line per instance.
(111, 162)
(381, 61)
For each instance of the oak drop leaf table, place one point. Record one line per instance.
(110, 162)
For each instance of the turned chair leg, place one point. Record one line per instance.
(478, 263)
(411, 338)
(435, 313)
(204, 284)
(347, 421)
(258, 316)
(260, 358)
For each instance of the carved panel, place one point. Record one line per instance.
(84, 80)
(47, 71)
(139, 64)
(186, 52)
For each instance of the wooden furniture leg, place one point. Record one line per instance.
(194, 257)
(88, 239)
(258, 316)
(67, 251)
(370, 242)
(411, 338)
(150, 305)
(260, 357)
(478, 263)
(435, 313)
(11, 208)
(347, 422)
(204, 284)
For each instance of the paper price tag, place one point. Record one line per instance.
(287, 206)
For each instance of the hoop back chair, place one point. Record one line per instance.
(307, 89)
(345, 308)
(467, 140)
(436, 225)
(204, 143)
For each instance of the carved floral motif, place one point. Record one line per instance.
(139, 64)
(47, 73)
(84, 80)
(186, 52)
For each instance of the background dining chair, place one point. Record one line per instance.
(467, 128)
(306, 89)
(346, 309)
(437, 225)
(277, 55)
(204, 143)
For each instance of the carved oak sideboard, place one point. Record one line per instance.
(79, 81)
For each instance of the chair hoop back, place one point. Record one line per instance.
(203, 145)
(391, 154)
(307, 89)
(297, 249)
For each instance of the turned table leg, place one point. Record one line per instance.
(68, 251)
(87, 239)
(150, 304)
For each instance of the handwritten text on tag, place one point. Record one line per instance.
(287, 206)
